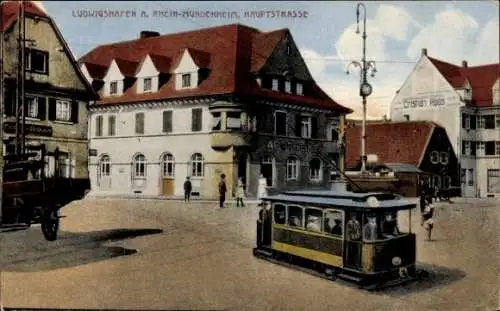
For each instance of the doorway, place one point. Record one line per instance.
(243, 168)
(266, 169)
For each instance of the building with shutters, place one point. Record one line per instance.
(465, 100)
(56, 92)
(225, 100)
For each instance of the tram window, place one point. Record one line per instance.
(353, 227)
(390, 224)
(371, 227)
(295, 216)
(333, 222)
(314, 218)
(279, 214)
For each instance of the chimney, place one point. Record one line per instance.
(149, 34)
(464, 63)
(424, 52)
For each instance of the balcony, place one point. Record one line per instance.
(221, 140)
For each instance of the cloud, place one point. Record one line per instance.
(487, 47)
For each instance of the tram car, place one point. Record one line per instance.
(31, 197)
(351, 236)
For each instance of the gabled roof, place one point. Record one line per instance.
(481, 78)
(97, 72)
(127, 68)
(232, 53)
(11, 10)
(162, 63)
(401, 142)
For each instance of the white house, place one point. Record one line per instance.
(227, 100)
(466, 102)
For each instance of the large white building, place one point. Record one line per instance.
(466, 102)
(226, 100)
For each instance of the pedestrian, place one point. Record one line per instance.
(240, 193)
(262, 191)
(222, 190)
(427, 220)
(188, 187)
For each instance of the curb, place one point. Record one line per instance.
(159, 198)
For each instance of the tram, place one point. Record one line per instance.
(346, 235)
(31, 197)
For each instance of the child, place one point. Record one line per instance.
(187, 189)
(240, 193)
(427, 220)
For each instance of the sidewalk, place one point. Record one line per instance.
(248, 201)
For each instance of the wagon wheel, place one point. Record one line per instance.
(50, 224)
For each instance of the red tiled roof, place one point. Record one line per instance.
(402, 142)
(162, 64)
(481, 78)
(96, 71)
(233, 53)
(10, 12)
(127, 68)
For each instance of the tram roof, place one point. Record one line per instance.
(346, 200)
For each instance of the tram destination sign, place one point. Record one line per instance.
(29, 129)
(411, 103)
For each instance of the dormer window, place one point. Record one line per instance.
(288, 86)
(299, 89)
(147, 84)
(186, 80)
(275, 85)
(113, 88)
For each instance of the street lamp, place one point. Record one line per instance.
(365, 89)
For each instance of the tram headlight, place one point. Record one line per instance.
(372, 201)
(396, 261)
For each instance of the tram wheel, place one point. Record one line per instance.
(50, 224)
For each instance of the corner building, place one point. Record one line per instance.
(226, 100)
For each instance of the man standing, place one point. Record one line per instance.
(222, 190)
(187, 189)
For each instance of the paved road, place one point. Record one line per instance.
(145, 254)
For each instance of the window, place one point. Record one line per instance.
(31, 107)
(275, 85)
(314, 219)
(105, 166)
(465, 121)
(186, 80)
(147, 85)
(113, 88)
(480, 122)
(267, 170)
(37, 61)
(280, 123)
(436, 181)
(315, 170)
(233, 120)
(333, 222)
(493, 181)
(63, 110)
(489, 148)
(111, 125)
(305, 126)
(497, 148)
(167, 165)
(463, 172)
(288, 86)
(466, 148)
(167, 121)
(480, 148)
(197, 165)
(497, 121)
(196, 119)
(139, 123)
(444, 158)
(489, 122)
(446, 182)
(279, 214)
(292, 168)
(216, 119)
(299, 89)
(98, 126)
(295, 216)
(470, 177)
(473, 122)
(434, 157)
(139, 167)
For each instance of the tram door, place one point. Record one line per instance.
(352, 246)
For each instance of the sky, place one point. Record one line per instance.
(396, 33)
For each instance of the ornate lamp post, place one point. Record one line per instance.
(365, 89)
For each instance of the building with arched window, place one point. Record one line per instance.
(175, 107)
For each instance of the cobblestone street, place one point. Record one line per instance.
(195, 256)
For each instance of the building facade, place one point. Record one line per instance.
(227, 100)
(466, 102)
(413, 150)
(56, 92)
